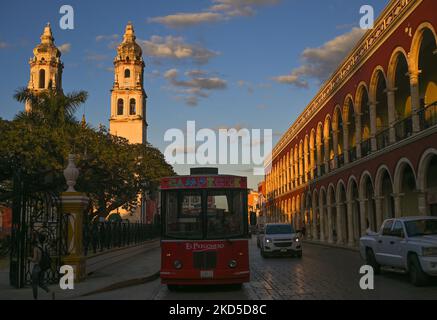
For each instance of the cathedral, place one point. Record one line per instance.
(128, 97)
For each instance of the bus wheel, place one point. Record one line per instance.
(172, 287)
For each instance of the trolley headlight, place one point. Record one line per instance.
(233, 264)
(178, 265)
(268, 240)
(296, 240)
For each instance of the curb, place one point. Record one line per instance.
(334, 246)
(124, 284)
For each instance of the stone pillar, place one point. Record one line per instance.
(322, 223)
(314, 225)
(330, 231)
(339, 224)
(350, 226)
(358, 133)
(346, 142)
(373, 129)
(379, 214)
(415, 99)
(363, 214)
(74, 205)
(398, 205)
(391, 114)
(423, 207)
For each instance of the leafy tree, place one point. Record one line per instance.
(35, 147)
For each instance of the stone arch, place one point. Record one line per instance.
(42, 79)
(132, 107)
(339, 136)
(353, 196)
(316, 216)
(384, 194)
(342, 218)
(350, 127)
(320, 146)
(312, 148)
(368, 207)
(405, 189)
(328, 140)
(427, 181)
(378, 95)
(417, 42)
(323, 212)
(399, 81)
(332, 213)
(363, 107)
(120, 107)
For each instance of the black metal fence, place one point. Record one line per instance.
(102, 236)
(5, 247)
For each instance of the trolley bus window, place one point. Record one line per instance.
(184, 215)
(225, 215)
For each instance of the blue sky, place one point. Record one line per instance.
(268, 55)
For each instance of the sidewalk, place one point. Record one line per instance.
(331, 245)
(108, 271)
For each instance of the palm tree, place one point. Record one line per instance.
(50, 107)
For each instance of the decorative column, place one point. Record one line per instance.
(74, 205)
(339, 226)
(330, 231)
(350, 225)
(346, 142)
(415, 99)
(322, 222)
(358, 133)
(379, 215)
(391, 114)
(398, 205)
(373, 129)
(421, 197)
(335, 143)
(363, 214)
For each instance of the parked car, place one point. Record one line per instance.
(407, 244)
(280, 239)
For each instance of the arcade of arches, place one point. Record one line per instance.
(314, 181)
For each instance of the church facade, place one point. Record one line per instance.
(128, 97)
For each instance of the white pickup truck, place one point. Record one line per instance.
(407, 244)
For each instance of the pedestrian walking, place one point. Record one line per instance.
(40, 263)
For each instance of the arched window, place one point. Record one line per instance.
(120, 107)
(127, 73)
(133, 107)
(42, 79)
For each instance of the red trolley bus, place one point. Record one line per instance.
(205, 232)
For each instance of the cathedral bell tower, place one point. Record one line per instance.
(45, 66)
(128, 98)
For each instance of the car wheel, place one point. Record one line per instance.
(417, 276)
(371, 261)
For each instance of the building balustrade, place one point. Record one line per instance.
(383, 139)
(366, 148)
(404, 128)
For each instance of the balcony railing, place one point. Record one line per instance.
(366, 148)
(383, 139)
(428, 116)
(404, 128)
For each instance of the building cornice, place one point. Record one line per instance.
(385, 25)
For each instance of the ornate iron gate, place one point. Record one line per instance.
(34, 215)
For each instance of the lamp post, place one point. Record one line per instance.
(146, 189)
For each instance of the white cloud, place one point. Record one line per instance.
(65, 48)
(198, 85)
(112, 37)
(320, 63)
(181, 20)
(175, 48)
(218, 11)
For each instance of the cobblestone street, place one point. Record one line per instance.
(323, 273)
